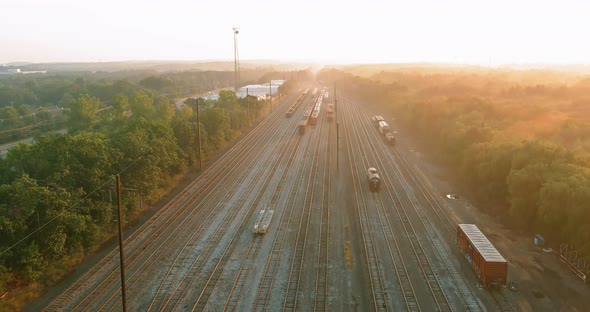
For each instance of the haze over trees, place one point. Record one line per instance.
(519, 141)
(32, 104)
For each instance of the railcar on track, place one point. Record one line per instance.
(330, 113)
(373, 179)
(263, 220)
(313, 120)
(302, 125)
(390, 138)
(376, 120)
(489, 265)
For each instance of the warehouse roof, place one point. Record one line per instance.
(481, 243)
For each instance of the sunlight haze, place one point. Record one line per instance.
(457, 31)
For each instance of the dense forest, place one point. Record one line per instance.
(56, 195)
(519, 141)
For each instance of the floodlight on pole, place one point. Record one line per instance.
(236, 60)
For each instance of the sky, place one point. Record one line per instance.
(490, 32)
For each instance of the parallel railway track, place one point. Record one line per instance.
(375, 270)
(213, 262)
(291, 297)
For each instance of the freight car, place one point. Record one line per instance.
(301, 126)
(263, 220)
(491, 268)
(383, 127)
(377, 119)
(330, 113)
(390, 139)
(313, 120)
(373, 179)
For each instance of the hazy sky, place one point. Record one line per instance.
(456, 31)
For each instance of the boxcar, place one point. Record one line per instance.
(302, 125)
(491, 268)
(313, 119)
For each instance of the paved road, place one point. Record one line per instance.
(5, 147)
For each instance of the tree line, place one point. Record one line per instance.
(56, 195)
(521, 147)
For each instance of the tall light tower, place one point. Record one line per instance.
(236, 61)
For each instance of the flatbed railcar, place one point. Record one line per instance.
(263, 220)
(489, 265)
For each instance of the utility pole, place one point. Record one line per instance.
(121, 255)
(337, 126)
(236, 61)
(199, 135)
(248, 106)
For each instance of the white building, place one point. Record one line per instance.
(259, 91)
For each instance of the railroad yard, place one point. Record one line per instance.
(332, 243)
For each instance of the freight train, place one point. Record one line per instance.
(296, 104)
(310, 116)
(384, 129)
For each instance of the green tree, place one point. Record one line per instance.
(227, 99)
(24, 110)
(164, 109)
(10, 117)
(150, 151)
(217, 126)
(142, 105)
(185, 129)
(83, 113)
(120, 105)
